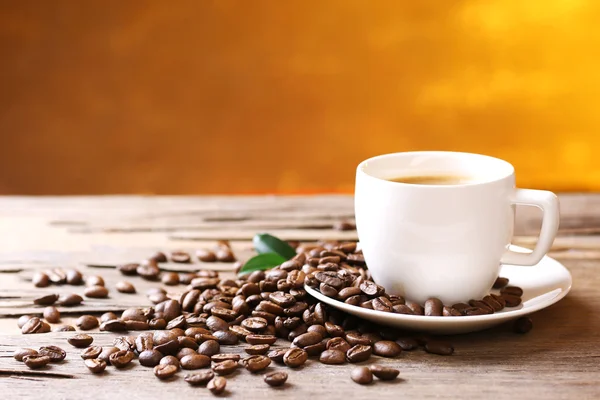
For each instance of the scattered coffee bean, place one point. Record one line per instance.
(36, 361)
(261, 339)
(510, 300)
(35, 325)
(450, 312)
(170, 278)
(21, 353)
(170, 360)
(217, 358)
(361, 375)
(115, 325)
(225, 255)
(150, 358)
(69, 300)
(57, 276)
(149, 272)
(121, 358)
(109, 316)
(433, 307)
(87, 322)
(523, 325)
(159, 257)
(199, 378)
(512, 290)
(407, 343)
(91, 352)
(106, 353)
(23, 320)
(96, 292)
(206, 255)
(256, 363)
(128, 269)
(415, 307)
(52, 314)
(277, 355)
(40, 280)
(257, 349)
(277, 378)
(209, 348)
(74, 277)
(295, 357)
(180, 257)
(80, 341)
(165, 371)
(217, 385)
(307, 339)
(439, 347)
(125, 287)
(194, 361)
(94, 280)
(95, 365)
(500, 283)
(225, 367)
(46, 300)
(332, 357)
(387, 348)
(359, 353)
(63, 328)
(384, 373)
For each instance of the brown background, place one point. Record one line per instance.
(288, 96)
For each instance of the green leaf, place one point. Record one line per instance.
(265, 243)
(262, 262)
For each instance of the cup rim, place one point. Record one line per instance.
(510, 168)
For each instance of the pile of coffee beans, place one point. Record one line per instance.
(190, 332)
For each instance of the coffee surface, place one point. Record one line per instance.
(433, 179)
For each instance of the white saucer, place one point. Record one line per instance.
(543, 285)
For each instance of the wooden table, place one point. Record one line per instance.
(558, 359)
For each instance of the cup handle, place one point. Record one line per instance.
(548, 202)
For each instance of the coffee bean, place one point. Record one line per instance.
(194, 361)
(170, 278)
(128, 269)
(295, 357)
(317, 348)
(500, 283)
(95, 365)
(52, 314)
(277, 378)
(165, 371)
(69, 300)
(121, 358)
(225, 255)
(320, 329)
(106, 353)
(371, 289)
(450, 312)
(63, 328)
(108, 316)
(170, 360)
(159, 257)
(330, 278)
(439, 347)
(225, 367)
(149, 272)
(277, 355)
(332, 357)
(125, 343)
(94, 280)
(328, 290)
(136, 325)
(257, 349)
(21, 353)
(260, 339)
(361, 375)
(511, 301)
(523, 325)
(186, 351)
(355, 338)
(57, 276)
(512, 290)
(46, 300)
(334, 330)
(36, 361)
(338, 343)
(87, 322)
(217, 385)
(181, 257)
(40, 279)
(492, 303)
(209, 348)
(254, 324)
(188, 342)
(387, 348)
(415, 307)
(23, 320)
(359, 353)
(256, 363)
(35, 325)
(96, 292)
(206, 255)
(348, 292)
(384, 373)
(125, 287)
(407, 344)
(480, 304)
(150, 358)
(433, 307)
(115, 325)
(74, 277)
(80, 341)
(199, 378)
(307, 339)
(91, 352)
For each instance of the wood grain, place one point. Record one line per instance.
(557, 360)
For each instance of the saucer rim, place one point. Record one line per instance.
(454, 320)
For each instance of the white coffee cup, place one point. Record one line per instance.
(444, 241)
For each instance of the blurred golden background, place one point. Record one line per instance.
(260, 96)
